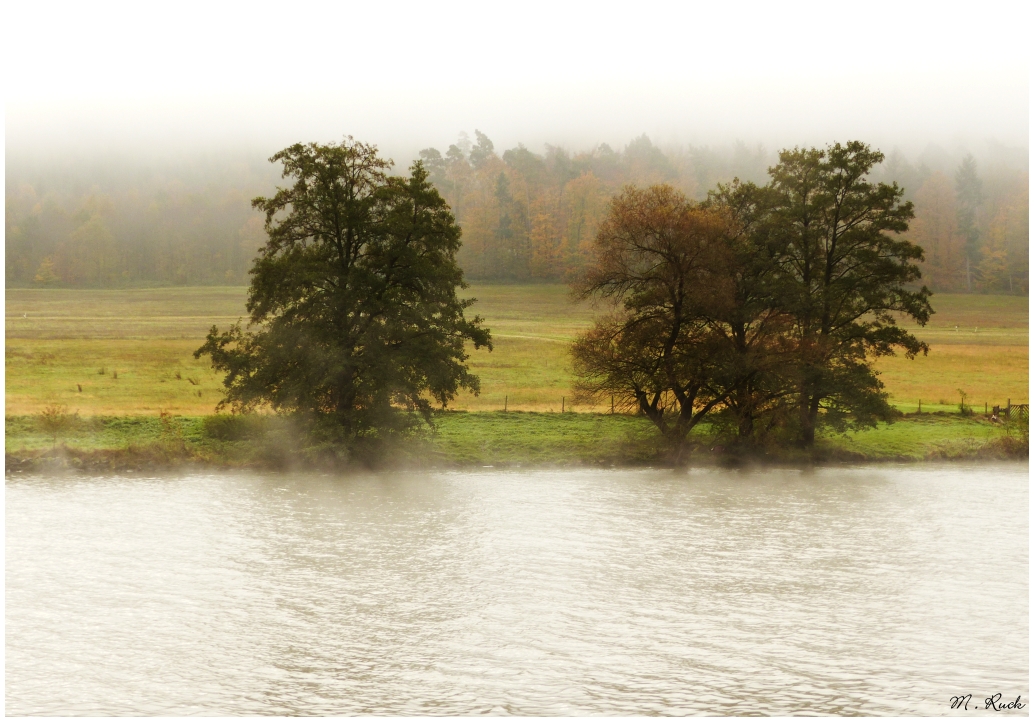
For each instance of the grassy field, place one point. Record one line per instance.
(129, 351)
(461, 439)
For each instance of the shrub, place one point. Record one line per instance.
(55, 420)
(236, 427)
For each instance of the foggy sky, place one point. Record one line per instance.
(263, 75)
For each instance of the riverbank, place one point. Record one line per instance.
(464, 440)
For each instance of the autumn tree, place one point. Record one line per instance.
(936, 230)
(660, 261)
(546, 237)
(90, 255)
(1005, 244)
(585, 205)
(45, 275)
(354, 318)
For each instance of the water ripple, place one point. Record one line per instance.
(838, 591)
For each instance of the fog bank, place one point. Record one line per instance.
(150, 81)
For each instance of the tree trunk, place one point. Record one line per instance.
(746, 429)
(813, 421)
(681, 454)
(679, 431)
(744, 409)
(808, 418)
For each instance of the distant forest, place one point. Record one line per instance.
(525, 216)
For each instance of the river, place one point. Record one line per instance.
(838, 590)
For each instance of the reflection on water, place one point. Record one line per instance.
(842, 590)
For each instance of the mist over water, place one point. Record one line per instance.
(865, 590)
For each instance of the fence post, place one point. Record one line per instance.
(920, 406)
(505, 400)
(563, 399)
(612, 403)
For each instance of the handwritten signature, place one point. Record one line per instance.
(994, 702)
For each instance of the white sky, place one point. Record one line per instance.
(409, 75)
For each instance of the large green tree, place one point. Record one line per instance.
(846, 271)
(354, 319)
(753, 325)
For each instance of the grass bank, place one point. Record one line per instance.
(464, 440)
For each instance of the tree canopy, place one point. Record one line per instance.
(354, 317)
(662, 260)
(764, 303)
(847, 270)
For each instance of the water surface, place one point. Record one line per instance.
(868, 590)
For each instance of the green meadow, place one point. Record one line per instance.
(120, 358)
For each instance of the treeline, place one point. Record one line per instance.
(172, 223)
(528, 216)
(975, 232)
(532, 216)
(525, 216)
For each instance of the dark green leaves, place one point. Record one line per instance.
(354, 314)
